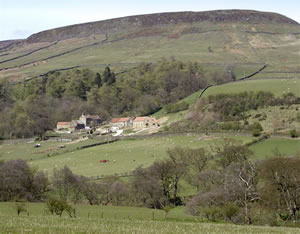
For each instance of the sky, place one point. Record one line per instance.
(21, 18)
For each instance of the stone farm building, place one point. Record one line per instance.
(70, 126)
(90, 120)
(77, 124)
(121, 122)
(63, 125)
(145, 121)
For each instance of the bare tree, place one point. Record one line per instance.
(19, 181)
(282, 185)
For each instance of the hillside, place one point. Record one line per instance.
(151, 20)
(243, 38)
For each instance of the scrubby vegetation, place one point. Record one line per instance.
(230, 111)
(176, 107)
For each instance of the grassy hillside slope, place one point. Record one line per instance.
(116, 220)
(246, 39)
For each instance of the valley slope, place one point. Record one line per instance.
(242, 38)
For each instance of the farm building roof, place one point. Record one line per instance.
(140, 119)
(154, 120)
(92, 116)
(119, 120)
(63, 123)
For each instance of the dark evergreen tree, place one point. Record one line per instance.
(106, 74)
(109, 77)
(98, 80)
(112, 79)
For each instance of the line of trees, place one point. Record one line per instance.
(228, 185)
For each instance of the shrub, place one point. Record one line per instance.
(294, 133)
(233, 125)
(298, 117)
(256, 132)
(230, 210)
(56, 206)
(257, 116)
(20, 207)
(256, 129)
(212, 213)
(261, 216)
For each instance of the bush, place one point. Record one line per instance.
(256, 129)
(56, 206)
(294, 133)
(257, 116)
(298, 117)
(256, 132)
(230, 210)
(261, 216)
(233, 125)
(20, 207)
(212, 213)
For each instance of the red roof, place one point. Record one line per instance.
(119, 120)
(140, 119)
(154, 120)
(63, 123)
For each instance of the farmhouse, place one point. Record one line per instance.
(63, 125)
(70, 126)
(145, 121)
(90, 120)
(77, 125)
(122, 122)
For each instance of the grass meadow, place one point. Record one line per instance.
(127, 154)
(276, 86)
(109, 219)
(276, 147)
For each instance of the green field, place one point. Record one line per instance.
(109, 219)
(25, 149)
(276, 86)
(124, 156)
(276, 147)
(127, 154)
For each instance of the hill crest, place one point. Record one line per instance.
(150, 20)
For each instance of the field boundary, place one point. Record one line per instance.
(29, 53)
(238, 80)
